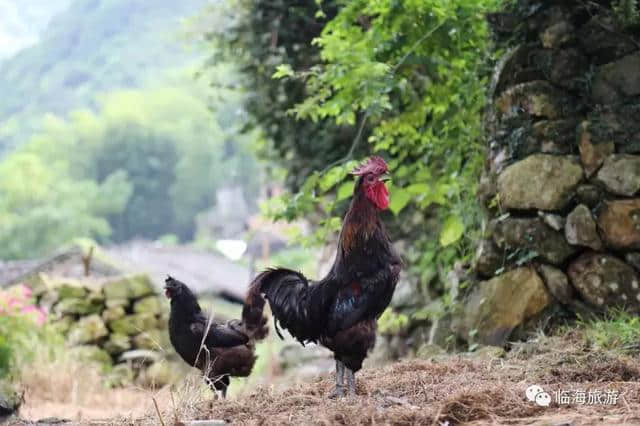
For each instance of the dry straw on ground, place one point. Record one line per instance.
(452, 390)
(448, 389)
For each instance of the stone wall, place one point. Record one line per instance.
(563, 169)
(120, 322)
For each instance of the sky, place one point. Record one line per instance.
(22, 22)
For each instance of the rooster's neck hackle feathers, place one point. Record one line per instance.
(360, 221)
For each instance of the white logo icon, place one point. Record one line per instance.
(536, 394)
(543, 399)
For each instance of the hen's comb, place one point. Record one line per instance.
(375, 165)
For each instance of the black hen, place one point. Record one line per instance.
(339, 311)
(218, 350)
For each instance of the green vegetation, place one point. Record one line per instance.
(618, 330)
(53, 208)
(145, 165)
(105, 134)
(627, 11)
(342, 79)
(91, 47)
(260, 36)
(22, 330)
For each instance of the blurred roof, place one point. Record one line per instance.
(204, 272)
(66, 262)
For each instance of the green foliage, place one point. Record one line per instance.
(392, 323)
(168, 240)
(107, 162)
(627, 12)
(300, 259)
(267, 38)
(412, 75)
(618, 330)
(143, 166)
(148, 158)
(53, 207)
(452, 230)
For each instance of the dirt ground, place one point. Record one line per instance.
(125, 403)
(599, 388)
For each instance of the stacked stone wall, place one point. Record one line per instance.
(562, 178)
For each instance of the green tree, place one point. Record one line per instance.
(164, 144)
(149, 160)
(41, 209)
(257, 37)
(412, 76)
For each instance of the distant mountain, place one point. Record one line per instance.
(22, 22)
(91, 47)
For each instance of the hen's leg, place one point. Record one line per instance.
(211, 385)
(351, 382)
(218, 385)
(338, 392)
(223, 385)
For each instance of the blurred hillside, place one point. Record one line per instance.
(90, 46)
(104, 118)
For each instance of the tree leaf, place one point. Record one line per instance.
(399, 200)
(282, 71)
(418, 189)
(452, 230)
(345, 190)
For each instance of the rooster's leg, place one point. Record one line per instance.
(351, 382)
(338, 392)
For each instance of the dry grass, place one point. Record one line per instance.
(457, 390)
(72, 389)
(445, 390)
(56, 384)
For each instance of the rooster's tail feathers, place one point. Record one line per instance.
(283, 288)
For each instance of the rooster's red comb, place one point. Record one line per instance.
(375, 165)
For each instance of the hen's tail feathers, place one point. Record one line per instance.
(255, 322)
(290, 298)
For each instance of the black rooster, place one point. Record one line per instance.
(218, 350)
(339, 311)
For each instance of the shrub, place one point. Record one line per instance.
(21, 327)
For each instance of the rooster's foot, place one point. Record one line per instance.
(338, 392)
(351, 383)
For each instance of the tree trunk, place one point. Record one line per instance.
(563, 167)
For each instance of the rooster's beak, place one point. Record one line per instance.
(384, 177)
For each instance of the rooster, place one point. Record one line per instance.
(340, 311)
(218, 350)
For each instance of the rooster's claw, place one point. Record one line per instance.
(338, 392)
